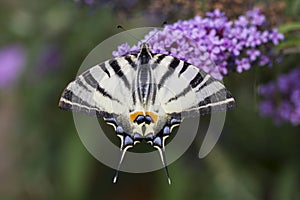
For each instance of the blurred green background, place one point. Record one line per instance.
(41, 155)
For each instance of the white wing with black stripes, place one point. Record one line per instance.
(102, 90)
(144, 96)
(186, 90)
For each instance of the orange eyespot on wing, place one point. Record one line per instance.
(134, 115)
(153, 116)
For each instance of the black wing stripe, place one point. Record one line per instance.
(89, 79)
(221, 106)
(196, 80)
(174, 63)
(220, 95)
(206, 101)
(220, 101)
(184, 68)
(72, 98)
(78, 108)
(158, 60)
(102, 66)
(181, 94)
(216, 98)
(117, 69)
(228, 94)
(103, 92)
(130, 61)
(134, 97)
(209, 81)
(106, 94)
(81, 84)
(154, 93)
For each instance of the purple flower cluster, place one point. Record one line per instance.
(281, 98)
(12, 61)
(214, 43)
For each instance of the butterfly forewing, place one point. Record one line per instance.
(187, 90)
(101, 90)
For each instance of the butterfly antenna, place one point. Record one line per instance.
(163, 159)
(121, 27)
(163, 24)
(119, 165)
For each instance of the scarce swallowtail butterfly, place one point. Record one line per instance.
(144, 96)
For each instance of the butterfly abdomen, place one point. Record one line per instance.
(146, 86)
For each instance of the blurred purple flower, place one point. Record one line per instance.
(242, 21)
(253, 54)
(12, 62)
(275, 36)
(256, 17)
(295, 97)
(264, 60)
(215, 14)
(267, 108)
(265, 36)
(214, 43)
(236, 47)
(243, 64)
(122, 49)
(281, 98)
(283, 84)
(267, 90)
(254, 38)
(49, 58)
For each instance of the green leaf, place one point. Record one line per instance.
(290, 41)
(289, 27)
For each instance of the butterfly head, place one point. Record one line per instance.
(144, 46)
(145, 54)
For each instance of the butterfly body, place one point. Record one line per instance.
(145, 95)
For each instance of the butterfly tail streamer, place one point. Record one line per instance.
(119, 165)
(163, 159)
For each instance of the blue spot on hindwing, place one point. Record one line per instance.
(128, 141)
(166, 130)
(157, 141)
